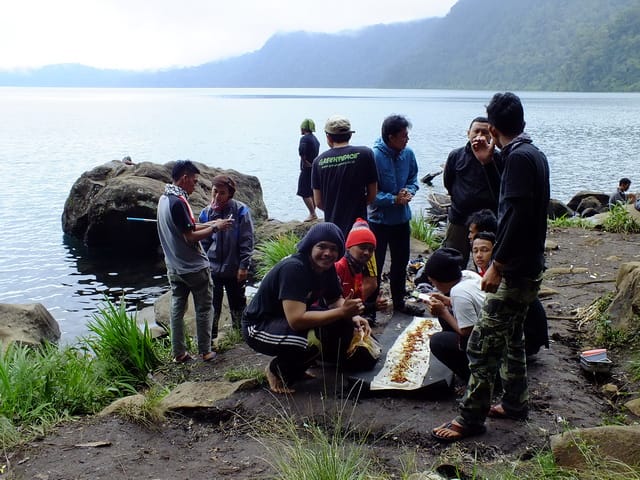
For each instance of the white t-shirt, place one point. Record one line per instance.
(467, 299)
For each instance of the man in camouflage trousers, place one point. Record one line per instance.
(511, 282)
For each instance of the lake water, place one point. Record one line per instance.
(49, 137)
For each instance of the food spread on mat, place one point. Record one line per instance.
(407, 361)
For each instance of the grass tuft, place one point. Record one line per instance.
(425, 231)
(310, 452)
(620, 220)
(149, 413)
(271, 251)
(245, 372)
(229, 339)
(566, 221)
(126, 351)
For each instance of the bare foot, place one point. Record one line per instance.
(276, 385)
(311, 218)
(308, 375)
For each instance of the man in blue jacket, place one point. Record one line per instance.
(389, 213)
(229, 248)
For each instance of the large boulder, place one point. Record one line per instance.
(29, 324)
(599, 197)
(557, 209)
(620, 445)
(100, 201)
(624, 309)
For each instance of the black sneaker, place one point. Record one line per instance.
(411, 309)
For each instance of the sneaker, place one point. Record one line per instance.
(411, 309)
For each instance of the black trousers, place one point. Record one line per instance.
(397, 238)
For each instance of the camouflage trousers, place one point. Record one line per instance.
(497, 343)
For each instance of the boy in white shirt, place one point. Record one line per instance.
(457, 304)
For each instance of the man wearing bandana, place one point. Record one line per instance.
(187, 264)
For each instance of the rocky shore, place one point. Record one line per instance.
(210, 423)
(217, 436)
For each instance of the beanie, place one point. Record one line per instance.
(322, 232)
(360, 233)
(444, 265)
(308, 124)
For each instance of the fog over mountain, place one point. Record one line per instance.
(573, 45)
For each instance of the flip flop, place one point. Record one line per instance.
(498, 411)
(183, 358)
(208, 357)
(459, 432)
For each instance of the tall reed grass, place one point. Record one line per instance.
(126, 350)
(271, 251)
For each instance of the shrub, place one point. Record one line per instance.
(271, 251)
(425, 231)
(620, 220)
(126, 351)
(566, 221)
(41, 386)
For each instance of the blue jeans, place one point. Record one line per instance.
(200, 285)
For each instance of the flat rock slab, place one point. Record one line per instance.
(203, 394)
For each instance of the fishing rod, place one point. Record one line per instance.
(136, 219)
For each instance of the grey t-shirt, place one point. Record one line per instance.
(174, 219)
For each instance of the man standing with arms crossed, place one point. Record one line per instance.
(390, 213)
(513, 279)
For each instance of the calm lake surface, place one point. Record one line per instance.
(49, 137)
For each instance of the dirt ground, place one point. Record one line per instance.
(224, 443)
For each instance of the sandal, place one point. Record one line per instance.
(452, 432)
(182, 358)
(498, 411)
(208, 357)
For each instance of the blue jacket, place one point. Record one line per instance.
(231, 250)
(396, 170)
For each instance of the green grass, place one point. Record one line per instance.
(425, 231)
(271, 251)
(245, 372)
(41, 386)
(312, 452)
(118, 341)
(230, 338)
(566, 221)
(149, 413)
(601, 328)
(620, 220)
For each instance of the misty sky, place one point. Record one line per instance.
(151, 34)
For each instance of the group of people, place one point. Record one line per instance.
(204, 257)
(310, 305)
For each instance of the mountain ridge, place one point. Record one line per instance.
(574, 45)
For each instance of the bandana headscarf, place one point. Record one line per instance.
(175, 190)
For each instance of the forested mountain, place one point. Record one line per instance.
(571, 45)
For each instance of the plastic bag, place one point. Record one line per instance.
(363, 352)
